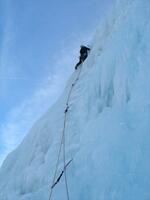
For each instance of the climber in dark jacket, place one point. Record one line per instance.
(83, 55)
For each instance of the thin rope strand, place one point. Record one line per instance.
(64, 157)
(63, 143)
(56, 168)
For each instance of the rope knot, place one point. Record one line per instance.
(66, 110)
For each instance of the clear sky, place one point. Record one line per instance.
(39, 43)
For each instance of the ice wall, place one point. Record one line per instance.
(108, 122)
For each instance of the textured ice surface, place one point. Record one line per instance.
(108, 123)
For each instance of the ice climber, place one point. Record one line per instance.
(83, 55)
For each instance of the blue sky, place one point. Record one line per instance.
(39, 43)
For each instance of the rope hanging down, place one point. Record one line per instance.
(62, 142)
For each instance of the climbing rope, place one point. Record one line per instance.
(64, 158)
(63, 142)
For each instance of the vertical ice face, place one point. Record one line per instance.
(108, 122)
